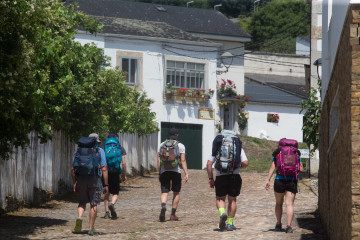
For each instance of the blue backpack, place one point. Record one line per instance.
(87, 160)
(113, 155)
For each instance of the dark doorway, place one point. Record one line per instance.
(191, 136)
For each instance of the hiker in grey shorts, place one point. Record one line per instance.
(89, 190)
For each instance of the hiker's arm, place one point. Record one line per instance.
(158, 164)
(210, 173)
(124, 168)
(73, 178)
(105, 176)
(244, 164)
(301, 167)
(271, 171)
(184, 166)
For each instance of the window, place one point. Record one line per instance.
(185, 75)
(130, 66)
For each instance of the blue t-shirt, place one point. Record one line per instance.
(281, 177)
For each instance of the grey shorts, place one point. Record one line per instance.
(89, 190)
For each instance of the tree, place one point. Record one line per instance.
(276, 25)
(50, 82)
(312, 109)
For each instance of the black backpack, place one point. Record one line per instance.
(87, 158)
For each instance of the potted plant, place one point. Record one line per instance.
(181, 93)
(168, 87)
(273, 117)
(211, 92)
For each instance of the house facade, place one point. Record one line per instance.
(147, 42)
(339, 171)
(276, 85)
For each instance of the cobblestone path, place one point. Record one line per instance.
(139, 206)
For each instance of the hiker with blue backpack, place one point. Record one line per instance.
(115, 159)
(287, 161)
(228, 156)
(171, 156)
(89, 164)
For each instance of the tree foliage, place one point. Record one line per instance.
(312, 109)
(277, 24)
(50, 82)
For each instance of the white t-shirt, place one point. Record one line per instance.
(177, 168)
(236, 170)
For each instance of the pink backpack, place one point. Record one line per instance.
(288, 161)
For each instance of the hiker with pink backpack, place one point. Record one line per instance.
(287, 161)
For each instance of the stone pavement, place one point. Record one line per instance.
(139, 206)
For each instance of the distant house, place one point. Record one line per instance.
(157, 45)
(274, 106)
(276, 84)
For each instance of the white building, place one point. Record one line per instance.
(159, 44)
(276, 85)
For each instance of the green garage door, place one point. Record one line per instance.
(191, 136)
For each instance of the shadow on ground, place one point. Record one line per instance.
(16, 227)
(311, 221)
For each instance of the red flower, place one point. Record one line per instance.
(238, 97)
(229, 81)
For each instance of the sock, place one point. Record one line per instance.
(173, 210)
(230, 220)
(221, 210)
(163, 205)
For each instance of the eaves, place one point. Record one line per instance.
(157, 39)
(221, 37)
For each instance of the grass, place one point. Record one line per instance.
(259, 153)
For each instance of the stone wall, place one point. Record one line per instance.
(339, 172)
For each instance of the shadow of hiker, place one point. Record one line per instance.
(311, 221)
(16, 227)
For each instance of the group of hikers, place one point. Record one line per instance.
(97, 171)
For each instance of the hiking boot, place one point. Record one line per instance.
(222, 221)
(162, 215)
(289, 229)
(174, 218)
(78, 225)
(230, 227)
(278, 227)
(112, 210)
(92, 232)
(107, 215)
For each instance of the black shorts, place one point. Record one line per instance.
(174, 178)
(114, 183)
(228, 185)
(282, 185)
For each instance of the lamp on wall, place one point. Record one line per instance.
(317, 63)
(226, 59)
(219, 5)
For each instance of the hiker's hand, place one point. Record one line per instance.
(211, 183)
(75, 186)
(125, 179)
(267, 185)
(106, 189)
(186, 178)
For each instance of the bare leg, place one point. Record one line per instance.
(176, 199)
(232, 206)
(279, 197)
(163, 197)
(81, 209)
(106, 201)
(92, 216)
(220, 202)
(114, 198)
(289, 200)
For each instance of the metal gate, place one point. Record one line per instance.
(191, 136)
